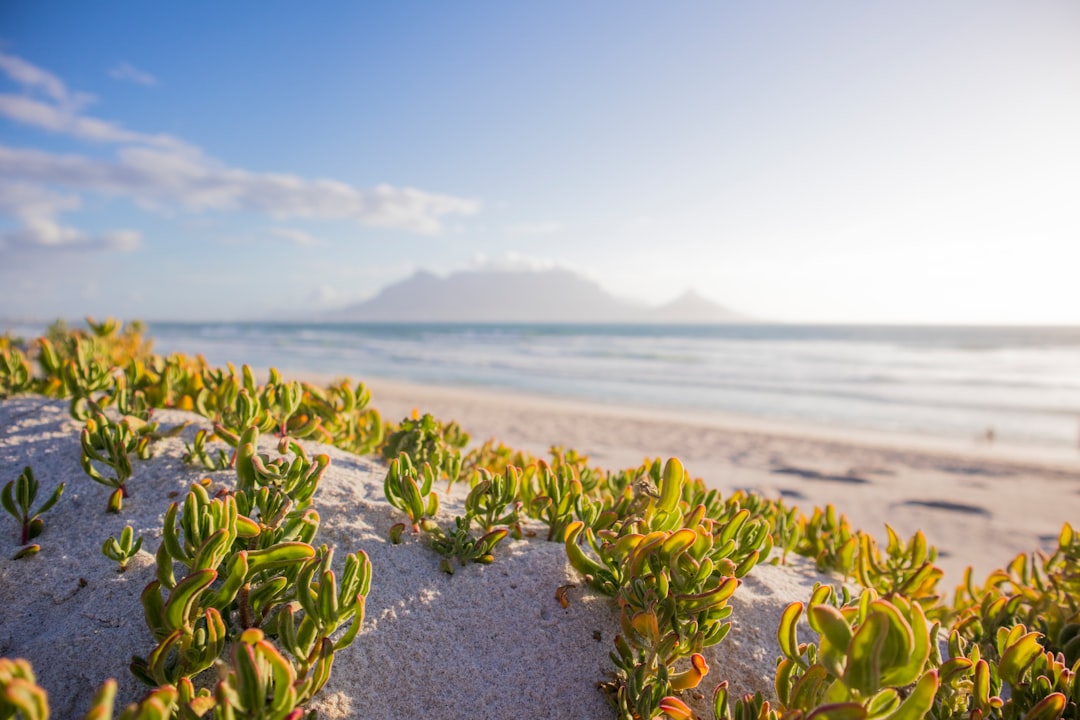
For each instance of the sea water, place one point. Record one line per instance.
(948, 382)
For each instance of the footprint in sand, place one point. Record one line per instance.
(959, 469)
(948, 506)
(805, 474)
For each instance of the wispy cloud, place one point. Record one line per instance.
(37, 210)
(61, 110)
(535, 228)
(34, 78)
(162, 172)
(66, 120)
(130, 73)
(513, 262)
(157, 179)
(298, 237)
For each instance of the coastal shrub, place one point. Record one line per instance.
(347, 419)
(410, 490)
(550, 495)
(112, 444)
(494, 500)
(426, 440)
(251, 575)
(15, 373)
(1039, 590)
(20, 695)
(241, 584)
(197, 453)
(18, 498)
(671, 569)
(122, 550)
(872, 657)
(494, 456)
(492, 503)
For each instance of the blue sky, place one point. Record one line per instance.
(821, 162)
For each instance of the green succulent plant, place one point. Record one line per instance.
(493, 500)
(122, 550)
(18, 497)
(85, 373)
(346, 420)
(285, 403)
(111, 444)
(1038, 590)
(906, 568)
(247, 562)
(217, 392)
(410, 490)
(15, 374)
(551, 496)
(20, 695)
(187, 617)
(425, 440)
(198, 454)
(27, 551)
(866, 654)
(298, 479)
(241, 585)
(672, 570)
(459, 543)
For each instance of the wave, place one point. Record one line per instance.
(934, 380)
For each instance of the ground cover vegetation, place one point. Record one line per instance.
(241, 585)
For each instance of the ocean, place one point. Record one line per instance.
(946, 382)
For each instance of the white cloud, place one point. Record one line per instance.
(158, 178)
(298, 237)
(127, 71)
(513, 262)
(36, 209)
(67, 121)
(536, 228)
(61, 110)
(327, 296)
(34, 78)
(161, 172)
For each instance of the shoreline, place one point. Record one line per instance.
(395, 393)
(980, 505)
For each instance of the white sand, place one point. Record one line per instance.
(492, 641)
(488, 642)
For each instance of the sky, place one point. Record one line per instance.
(847, 162)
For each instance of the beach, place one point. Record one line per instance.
(979, 503)
(494, 641)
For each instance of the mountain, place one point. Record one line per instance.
(547, 296)
(690, 307)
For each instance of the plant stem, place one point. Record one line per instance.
(245, 606)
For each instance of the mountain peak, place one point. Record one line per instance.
(556, 295)
(693, 307)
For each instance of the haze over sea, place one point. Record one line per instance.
(943, 382)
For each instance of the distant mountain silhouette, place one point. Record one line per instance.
(555, 296)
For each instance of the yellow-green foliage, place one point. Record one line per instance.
(256, 596)
(20, 695)
(18, 497)
(425, 440)
(15, 373)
